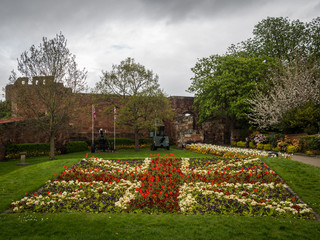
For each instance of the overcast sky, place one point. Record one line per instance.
(166, 36)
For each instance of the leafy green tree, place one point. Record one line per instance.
(223, 84)
(282, 38)
(5, 109)
(305, 118)
(50, 103)
(136, 93)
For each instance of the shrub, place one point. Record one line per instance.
(32, 150)
(76, 146)
(267, 147)
(314, 143)
(273, 138)
(291, 149)
(260, 146)
(309, 143)
(276, 149)
(283, 144)
(309, 152)
(234, 144)
(241, 144)
(252, 145)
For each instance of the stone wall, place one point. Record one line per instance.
(16, 131)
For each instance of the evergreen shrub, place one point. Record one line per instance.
(267, 147)
(241, 144)
(76, 146)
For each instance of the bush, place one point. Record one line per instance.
(291, 149)
(260, 146)
(309, 152)
(28, 147)
(267, 147)
(276, 149)
(274, 138)
(241, 144)
(309, 143)
(252, 145)
(32, 150)
(76, 146)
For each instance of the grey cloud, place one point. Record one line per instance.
(165, 35)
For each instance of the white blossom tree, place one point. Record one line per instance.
(293, 86)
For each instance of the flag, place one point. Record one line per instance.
(94, 112)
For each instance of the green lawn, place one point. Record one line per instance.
(16, 180)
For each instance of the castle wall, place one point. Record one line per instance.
(183, 129)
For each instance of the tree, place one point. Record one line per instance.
(50, 100)
(223, 85)
(292, 87)
(282, 38)
(5, 109)
(136, 93)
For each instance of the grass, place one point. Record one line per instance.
(304, 179)
(139, 226)
(16, 180)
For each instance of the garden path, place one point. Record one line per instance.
(315, 161)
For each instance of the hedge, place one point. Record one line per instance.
(28, 147)
(76, 146)
(32, 150)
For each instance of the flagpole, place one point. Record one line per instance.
(92, 117)
(114, 128)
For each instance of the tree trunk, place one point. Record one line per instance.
(52, 147)
(136, 140)
(231, 127)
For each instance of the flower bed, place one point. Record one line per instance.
(223, 151)
(167, 184)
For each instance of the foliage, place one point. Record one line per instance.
(260, 146)
(309, 143)
(291, 149)
(241, 144)
(50, 103)
(5, 109)
(267, 147)
(280, 37)
(76, 146)
(274, 137)
(252, 145)
(293, 87)
(305, 118)
(283, 144)
(31, 149)
(27, 147)
(223, 84)
(136, 95)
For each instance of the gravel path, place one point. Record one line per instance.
(315, 161)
